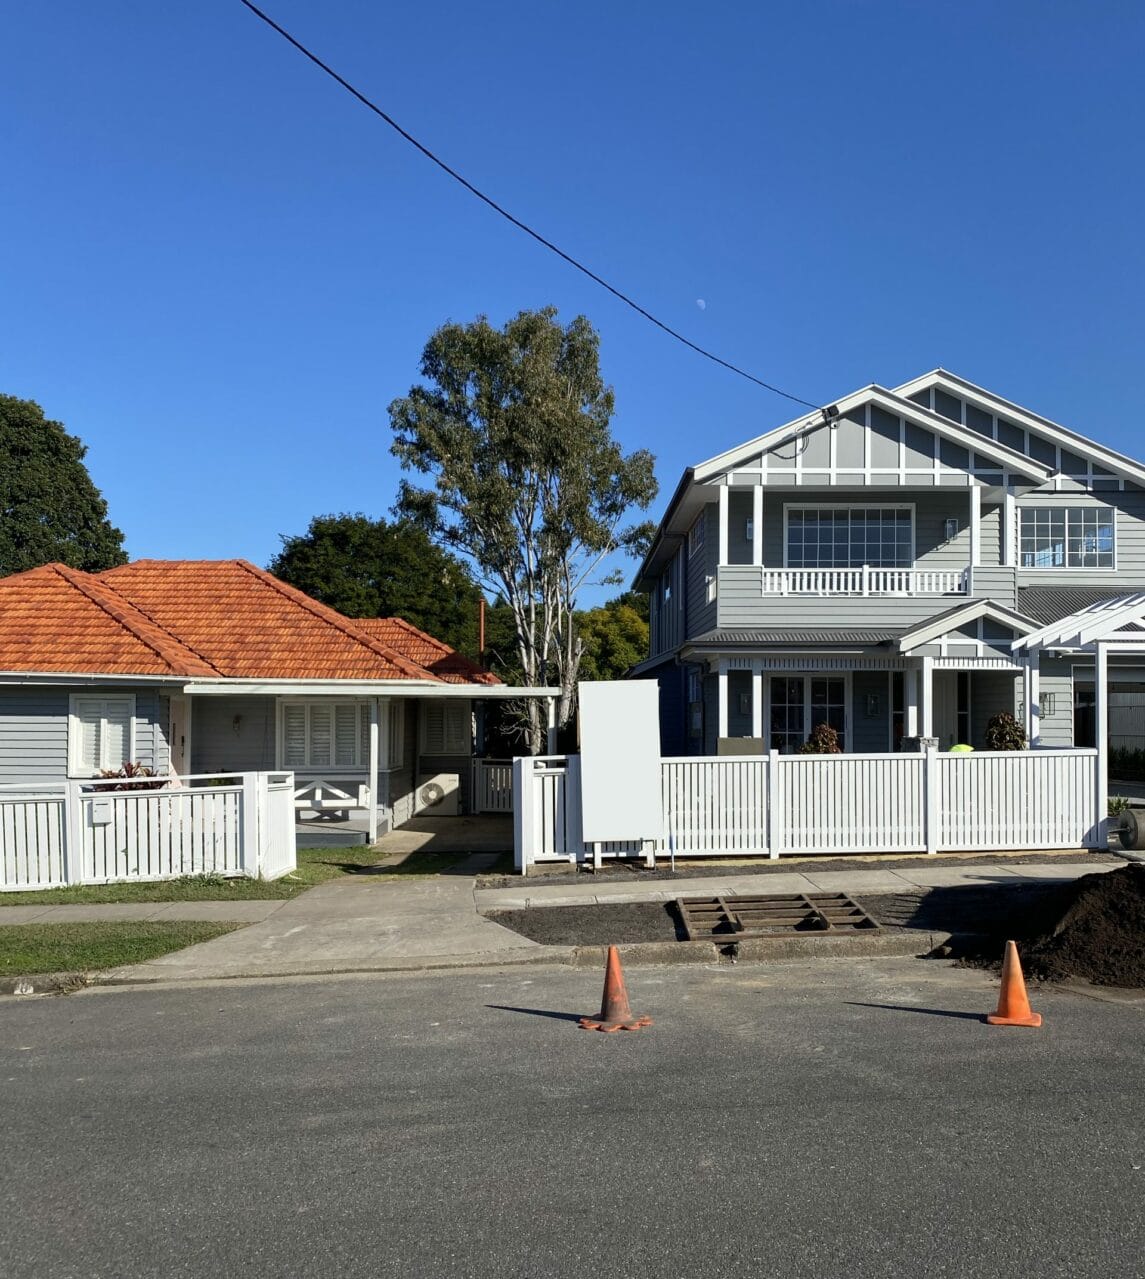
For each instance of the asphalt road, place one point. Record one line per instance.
(823, 1119)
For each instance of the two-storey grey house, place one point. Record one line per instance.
(870, 566)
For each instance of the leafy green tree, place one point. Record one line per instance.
(614, 636)
(49, 508)
(370, 568)
(512, 427)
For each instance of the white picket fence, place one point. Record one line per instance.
(778, 805)
(492, 788)
(57, 833)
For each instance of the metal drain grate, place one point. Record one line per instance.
(733, 918)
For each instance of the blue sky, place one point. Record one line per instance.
(217, 269)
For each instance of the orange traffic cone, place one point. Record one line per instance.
(615, 1013)
(1013, 1003)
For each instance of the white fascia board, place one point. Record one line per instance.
(365, 688)
(951, 621)
(1007, 458)
(1124, 466)
(80, 678)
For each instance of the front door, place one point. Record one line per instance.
(952, 708)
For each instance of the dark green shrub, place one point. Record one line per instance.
(1004, 733)
(823, 741)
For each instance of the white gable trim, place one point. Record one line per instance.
(1062, 436)
(972, 611)
(1005, 457)
(1100, 621)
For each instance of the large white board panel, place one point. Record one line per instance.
(620, 760)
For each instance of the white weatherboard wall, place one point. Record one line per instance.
(620, 761)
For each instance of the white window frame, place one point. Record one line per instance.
(76, 765)
(696, 534)
(464, 713)
(1064, 508)
(788, 507)
(361, 733)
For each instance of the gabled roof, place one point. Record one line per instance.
(247, 623)
(952, 618)
(433, 654)
(57, 618)
(892, 402)
(1126, 467)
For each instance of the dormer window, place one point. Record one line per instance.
(1067, 537)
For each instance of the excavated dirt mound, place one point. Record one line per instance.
(1096, 931)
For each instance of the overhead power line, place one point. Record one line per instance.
(521, 226)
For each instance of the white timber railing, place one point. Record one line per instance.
(784, 805)
(492, 786)
(865, 581)
(106, 831)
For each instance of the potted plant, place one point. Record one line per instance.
(824, 740)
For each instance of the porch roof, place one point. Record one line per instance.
(828, 636)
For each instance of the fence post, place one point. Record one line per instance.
(253, 822)
(522, 812)
(774, 815)
(930, 798)
(73, 834)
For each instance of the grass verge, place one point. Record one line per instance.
(315, 866)
(26, 949)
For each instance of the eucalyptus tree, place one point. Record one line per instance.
(512, 428)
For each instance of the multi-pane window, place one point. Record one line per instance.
(101, 733)
(696, 537)
(800, 703)
(850, 537)
(1067, 537)
(325, 735)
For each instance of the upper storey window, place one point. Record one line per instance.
(1067, 537)
(850, 537)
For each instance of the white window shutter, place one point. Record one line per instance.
(346, 737)
(294, 736)
(457, 734)
(89, 714)
(434, 723)
(117, 732)
(321, 736)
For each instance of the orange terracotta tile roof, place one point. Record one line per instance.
(435, 655)
(57, 618)
(247, 623)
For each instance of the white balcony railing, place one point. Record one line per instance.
(865, 581)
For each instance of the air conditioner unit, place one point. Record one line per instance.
(440, 795)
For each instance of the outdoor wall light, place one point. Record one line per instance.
(1048, 705)
(951, 527)
(872, 705)
(749, 530)
(237, 724)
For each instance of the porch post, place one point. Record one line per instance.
(1009, 529)
(756, 700)
(975, 526)
(723, 697)
(1101, 733)
(910, 688)
(1033, 697)
(723, 530)
(551, 736)
(373, 779)
(927, 726)
(757, 527)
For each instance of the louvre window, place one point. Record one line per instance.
(1067, 537)
(446, 728)
(102, 733)
(325, 735)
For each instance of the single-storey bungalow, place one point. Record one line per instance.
(195, 667)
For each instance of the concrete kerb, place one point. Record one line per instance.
(902, 943)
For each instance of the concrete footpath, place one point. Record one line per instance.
(363, 925)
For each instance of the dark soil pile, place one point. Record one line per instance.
(1097, 932)
(612, 925)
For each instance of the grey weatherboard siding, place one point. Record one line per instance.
(34, 730)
